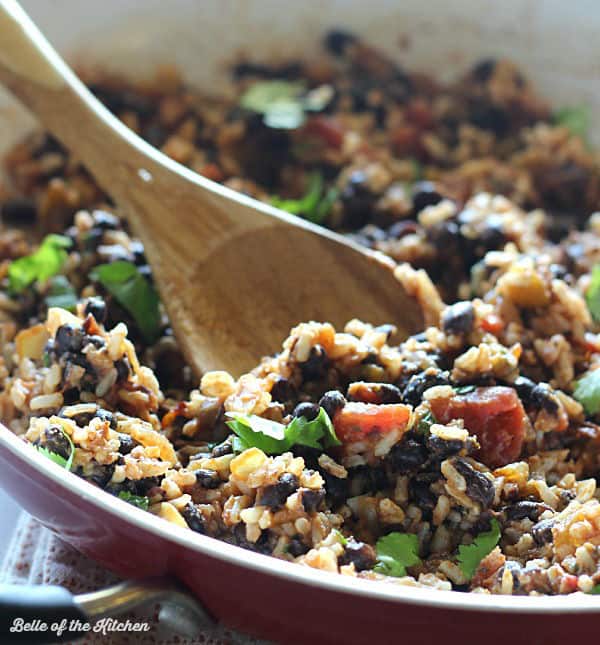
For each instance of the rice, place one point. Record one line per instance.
(349, 437)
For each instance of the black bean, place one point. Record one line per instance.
(101, 474)
(155, 134)
(362, 555)
(68, 339)
(123, 370)
(484, 69)
(525, 509)
(490, 117)
(413, 392)
(335, 488)
(479, 487)
(524, 388)
(407, 456)
(337, 40)
(96, 341)
(421, 494)
(312, 498)
(315, 367)
(19, 210)
(458, 318)
(332, 402)
(402, 228)
(296, 547)
(138, 103)
(307, 410)
(424, 193)
(70, 396)
(264, 544)
(386, 329)
(221, 449)
(544, 398)
(108, 416)
(357, 200)
(207, 478)
(380, 393)
(136, 248)
(194, 518)
(441, 449)
(275, 495)
(56, 441)
(283, 391)
(105, 221)
(92, 239)
(542, 532)
(126, 443)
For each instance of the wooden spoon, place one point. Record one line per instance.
(234, 274)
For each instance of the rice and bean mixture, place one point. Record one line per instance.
(466, 457)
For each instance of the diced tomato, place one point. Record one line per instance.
(327, 129)
(494, 414)
(358, 421)
(492, 323)
(212, 171)
(406, 140)
(419, 113)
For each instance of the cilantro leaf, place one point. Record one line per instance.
(134, 292)
(42, 264)
(278, 101)
(576, 119)
(61, 294)
(425, 422)
(470, 555)
(59, 459)
(135, 500)
(587, 392)
(314, 205)
(395, 552)
(592, 295)
(596, 589)
(275, 438)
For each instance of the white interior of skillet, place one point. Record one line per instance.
(555, 43)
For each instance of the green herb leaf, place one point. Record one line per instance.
(469, 556)
(395, 552)
(592, 295)
(425, 423)
(135, 500)
(577, 119)
(596, 589)
(417, 170)
(59, 459)
(42, 264)
(61, 294)
(278, 101)
(341, 538)
(587, 392)
(275, 438)
(314, 206)
(464, 389)
(284, 115)
(134, 292)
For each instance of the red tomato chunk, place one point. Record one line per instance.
(358, 421)
(494, 415)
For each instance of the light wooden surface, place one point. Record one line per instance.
(235, 275)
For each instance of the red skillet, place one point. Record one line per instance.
(261, 595)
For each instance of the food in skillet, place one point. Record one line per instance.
(462, 458)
